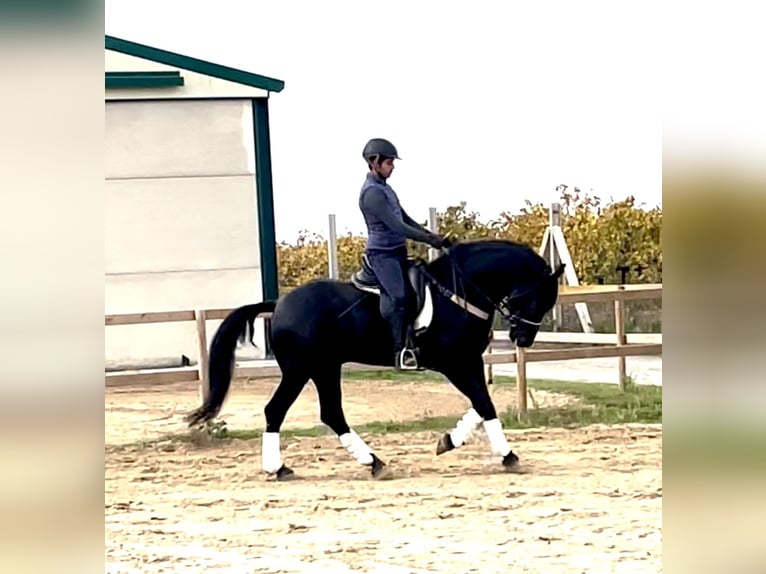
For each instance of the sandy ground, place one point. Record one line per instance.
(590, 500)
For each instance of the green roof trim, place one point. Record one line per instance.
(143, 79)
(193, 64)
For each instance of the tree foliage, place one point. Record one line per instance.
(605, 240)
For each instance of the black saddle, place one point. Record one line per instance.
(365, 280)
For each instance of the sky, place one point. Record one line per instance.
(490, 103)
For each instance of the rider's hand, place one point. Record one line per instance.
(441, 242)
(437, 241)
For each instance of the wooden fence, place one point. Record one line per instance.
(619, 349)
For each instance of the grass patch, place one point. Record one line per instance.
(391, 375)
(595, 403)
(375, 427)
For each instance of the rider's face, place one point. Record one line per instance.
(385, 168)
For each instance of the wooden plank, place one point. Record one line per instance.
(220, 314)
(608, 293)
(217, 314)
(151, 376)
(539, 355)
(613, 288)
(259, 368)
(153, 317)
(593, 353)
(595, 338)
(168, 316)
(500, 339)
(500, 357)
(254, 371)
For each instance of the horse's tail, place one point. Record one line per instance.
(234, 327)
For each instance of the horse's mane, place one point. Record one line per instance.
(488, 243)
(464, 250)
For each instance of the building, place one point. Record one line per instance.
(189, 202)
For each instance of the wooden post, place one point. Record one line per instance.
(433, 226)
(619, 328)
(332, 249)
(521, 381)
(202, 362)
(488, 375)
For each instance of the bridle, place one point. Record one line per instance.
(503, 307)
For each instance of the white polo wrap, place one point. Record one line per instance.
(272, 460)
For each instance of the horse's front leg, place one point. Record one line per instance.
(469, 379)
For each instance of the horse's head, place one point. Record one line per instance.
(513, 277)
(528, 305)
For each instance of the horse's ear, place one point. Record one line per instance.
(559, 270)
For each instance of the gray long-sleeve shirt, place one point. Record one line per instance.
(388, 225)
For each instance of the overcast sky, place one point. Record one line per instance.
(491, 103)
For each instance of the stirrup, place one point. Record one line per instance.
(406, 360)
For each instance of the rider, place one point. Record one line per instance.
(388, 226)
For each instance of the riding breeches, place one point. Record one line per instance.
(390, 271)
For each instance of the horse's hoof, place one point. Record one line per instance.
(444, 444)
(380, 470)
(284, 473)
(511, 462)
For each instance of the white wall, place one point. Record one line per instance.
(181, 218)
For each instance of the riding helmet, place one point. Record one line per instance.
(381, 148)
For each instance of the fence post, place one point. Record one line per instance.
(200, 318)
(433, 226)
(488, 373)
(521, 382)
(332, 249)
(619, 328)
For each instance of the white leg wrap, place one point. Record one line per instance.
(497, 439)
(465, 427)
(356, 447)
(271, 459)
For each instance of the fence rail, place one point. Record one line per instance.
(620, 348)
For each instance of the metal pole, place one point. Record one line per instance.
(332, 249)
(433, 226)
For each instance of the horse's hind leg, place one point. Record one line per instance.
(327, 382)
(284, 396)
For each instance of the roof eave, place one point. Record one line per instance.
(193, 64)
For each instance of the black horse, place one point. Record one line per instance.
(325, 323)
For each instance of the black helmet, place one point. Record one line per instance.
(381, 148)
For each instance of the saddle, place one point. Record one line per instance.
(364, 279)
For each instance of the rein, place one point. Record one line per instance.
(501, 307)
